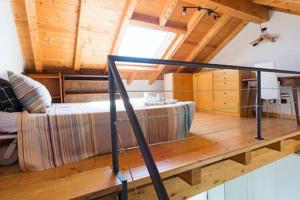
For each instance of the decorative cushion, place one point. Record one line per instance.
(8, 100)
(33, 95)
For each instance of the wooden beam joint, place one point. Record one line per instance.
(296, 138)
(243, 158)
(153, 22)
(277, 146)
(192, 177)
(167, 12)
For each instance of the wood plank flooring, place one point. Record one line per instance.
(213, 138)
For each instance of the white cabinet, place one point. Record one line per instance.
(262, 183)
(236, 189)
(288, 178)
(201, 196)
(216, 193)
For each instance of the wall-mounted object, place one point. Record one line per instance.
(264, 37)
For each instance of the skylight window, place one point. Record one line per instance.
(144, 42)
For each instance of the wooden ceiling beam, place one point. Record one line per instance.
(206, 39)
(131, 77)
(288, 6)
(194, 21)
(168, 54)
(153, 22)
(243, 9)
(288, 11)
(167, 11)
(33, 24)
(225, 41)
(80, 35)
(123, 23)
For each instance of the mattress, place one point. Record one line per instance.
(8, 122)
(72, 132)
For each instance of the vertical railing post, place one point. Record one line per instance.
(258, 107)
(123, 195)
(113, 119)
(150, 163)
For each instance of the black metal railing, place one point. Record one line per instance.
(115, 81)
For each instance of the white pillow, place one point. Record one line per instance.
(3, 75)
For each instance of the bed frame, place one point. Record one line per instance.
(12, 145)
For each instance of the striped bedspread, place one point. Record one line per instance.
(72, 132)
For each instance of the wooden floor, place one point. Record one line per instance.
(213, 138)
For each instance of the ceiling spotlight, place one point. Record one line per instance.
(209, 11)
(184, 11)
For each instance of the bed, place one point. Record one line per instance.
(8, 122)
(72, 132)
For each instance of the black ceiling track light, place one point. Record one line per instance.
(210, 12)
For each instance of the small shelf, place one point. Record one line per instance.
(86, 77)
(53, 82)
(44, 76)
(85, 88)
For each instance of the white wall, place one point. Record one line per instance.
(285, 52)
(10, 52)
(276, 181)
(138, 87)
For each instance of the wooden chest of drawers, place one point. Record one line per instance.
(220, 91)
(179, 86)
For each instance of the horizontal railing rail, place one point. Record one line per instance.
(196, 64)
(115, 81)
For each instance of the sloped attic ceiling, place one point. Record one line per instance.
(75, 36)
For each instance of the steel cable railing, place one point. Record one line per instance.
(115, 81)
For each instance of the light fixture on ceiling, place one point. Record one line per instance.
(210, 12)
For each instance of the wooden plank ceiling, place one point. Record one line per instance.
(75, 36)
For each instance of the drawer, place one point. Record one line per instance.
(183, 84)
(226, 85)
(232, 96)
(183, 96)
(226, 75)
(182, 76)
(226, 106)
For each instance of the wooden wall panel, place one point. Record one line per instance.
(58, 24)
(20, 16)
(102, 20)
(183, 51)
(204, 53)
(201, 29)
(218, 39)
(227, 29)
